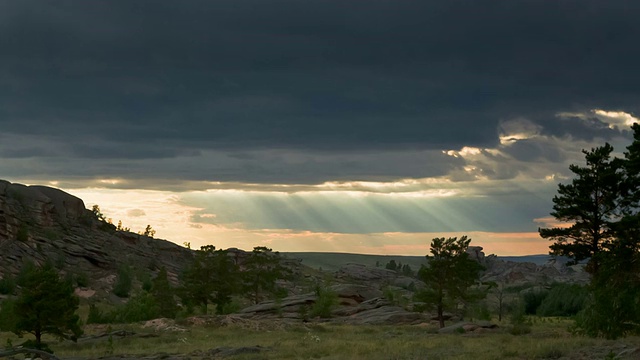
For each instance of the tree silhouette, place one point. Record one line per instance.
(46, 305)
(261, 271)
(212, 277)
(163, 293)
(449, 275)
(591, 205)
(602, 209)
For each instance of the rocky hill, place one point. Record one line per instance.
(40, 224)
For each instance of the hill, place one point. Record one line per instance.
(41, 224)
(334, 261)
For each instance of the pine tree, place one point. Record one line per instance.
(163, 293)
(591, 205)
(46, 305)
(212, 278)
(262, 269)
(602, 207)
(449, 275)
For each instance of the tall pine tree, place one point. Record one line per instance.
(602, 209)
(590, 205)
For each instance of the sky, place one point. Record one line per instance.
(322, 125)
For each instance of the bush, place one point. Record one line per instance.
(532, 300)
(519, 323)
(7, 285)
(478, 311)
(563, 300)
(81, 279)
(326, 301)
(123, 285)
(229, 308)
(145, 279)
(23, 233)
(139, 308)
(520, 329)
(97, 316)
(8, 318)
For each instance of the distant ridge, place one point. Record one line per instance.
(333, 261)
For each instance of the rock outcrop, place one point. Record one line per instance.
(525, 273)
(376, 277)
(43, 224)
(356, 304)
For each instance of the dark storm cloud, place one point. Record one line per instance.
(580, 127)
(165, 79)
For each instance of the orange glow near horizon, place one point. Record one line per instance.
(174, 221)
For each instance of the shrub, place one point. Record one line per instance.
(326, 301)
(122, 287)
(145, 279)
(520, 329)
(139, 308)
(23, 233)
(97, 316)
(229, 308)
(81, 279)
(519, 323)
(478, 310)
(8, 318)
(7, 284)
(563, 300)
(532, 300)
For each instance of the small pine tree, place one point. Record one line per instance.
(124, 282)
(449, 275)
(46, 305)
(391, 265)
(163, 294)
(149, 231)
(261, 271)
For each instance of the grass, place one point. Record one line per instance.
(548, 340)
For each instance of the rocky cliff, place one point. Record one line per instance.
(40, 224)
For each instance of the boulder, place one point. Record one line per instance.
(273, 306)
(467, 327)
(359, 272)
(384, 315)
(359, 293)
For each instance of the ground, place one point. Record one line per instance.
(218, 337)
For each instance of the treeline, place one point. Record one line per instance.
(214, 278)
(398, 267)
(40, 301)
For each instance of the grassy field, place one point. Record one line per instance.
(549, 339)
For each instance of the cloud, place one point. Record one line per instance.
(618, 120)
(329, 76)
(136, 213)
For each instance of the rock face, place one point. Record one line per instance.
(39, 206)
(376, 277)
(521, 273)
(356, 304)
(40, 224)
